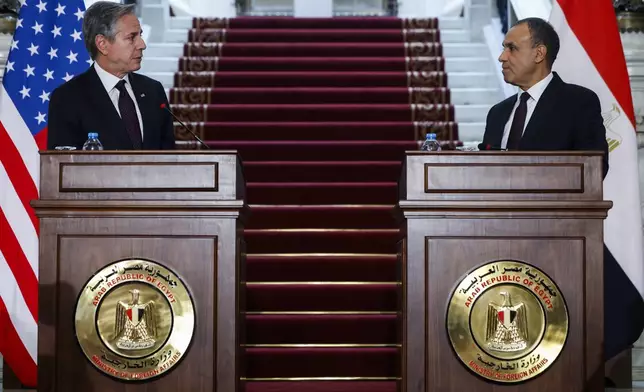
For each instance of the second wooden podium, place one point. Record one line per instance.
(502, 268)
(139, 264)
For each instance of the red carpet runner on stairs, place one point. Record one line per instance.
(321, 112)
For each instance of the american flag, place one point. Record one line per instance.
(47, 50)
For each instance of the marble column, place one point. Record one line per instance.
(630, 15)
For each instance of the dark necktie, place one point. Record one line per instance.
(128, 114)
(516, 130)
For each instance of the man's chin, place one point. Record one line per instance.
(509, 80)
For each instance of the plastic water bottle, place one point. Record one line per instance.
(92, 143)
(430, 144)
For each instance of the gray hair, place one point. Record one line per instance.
(100, 19)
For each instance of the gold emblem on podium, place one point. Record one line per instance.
(507, 321)
(135, 324)
(134, 319)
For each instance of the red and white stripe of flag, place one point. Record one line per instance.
(19, 180)
(592, 56)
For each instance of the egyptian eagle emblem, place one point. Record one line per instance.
(612, 138)
(135, 327)
(507, 326)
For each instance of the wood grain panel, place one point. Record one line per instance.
(80, 257)
(139, 177)
(205, 262)
(441, 251)
(504, 178)
(561, 258)
(515, 176)
(465, 209)
(181, 209)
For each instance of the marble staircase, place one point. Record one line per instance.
(472, 81)
(473, 85)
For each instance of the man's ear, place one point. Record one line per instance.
(101, 44)
(542, 51)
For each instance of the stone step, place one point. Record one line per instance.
(471, 132)
(454, 64)
(159, 64)
(447, 23)
(163, 50)
(635, 69)
(468, 131)
(471, 80)
(475, 96)
(476, 80)
(450, 50)
(470, 113)
(5, 40)
(465, 96)
(632, 54)
(185, 22)
(5, 44)
(468, 64)
(454, 35)
(175, 35)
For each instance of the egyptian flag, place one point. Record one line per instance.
(591, 55)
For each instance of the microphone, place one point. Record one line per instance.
(167, 109)
(489, 147)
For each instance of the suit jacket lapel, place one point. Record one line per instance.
(499, 127)
(143, 101)
(541, 115)
(101, 100)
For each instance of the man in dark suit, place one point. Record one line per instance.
(549, 114)
(123, 107)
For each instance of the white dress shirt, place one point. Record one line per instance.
(535, 93)
(109, 82)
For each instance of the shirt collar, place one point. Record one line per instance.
(109, 81)
(537, 90)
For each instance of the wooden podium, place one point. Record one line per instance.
(466, 209)
(179, 209)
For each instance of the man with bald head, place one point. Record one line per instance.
(547, 113)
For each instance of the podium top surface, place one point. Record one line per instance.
(138, 176)
(502, 176)
(140, 152)
(507, 153)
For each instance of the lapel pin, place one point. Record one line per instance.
(142, 95)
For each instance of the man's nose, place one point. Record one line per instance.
(502, 56)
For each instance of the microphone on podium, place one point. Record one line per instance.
(489, 147)
(166, 108)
